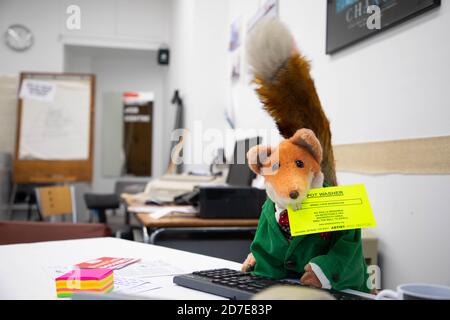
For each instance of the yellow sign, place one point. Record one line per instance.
(332, 209)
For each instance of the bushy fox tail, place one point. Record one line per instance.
(286, 89)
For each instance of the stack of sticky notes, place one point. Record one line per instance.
(84, 280)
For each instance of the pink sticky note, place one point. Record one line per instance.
(86, 274)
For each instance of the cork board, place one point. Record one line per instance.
(416, 156)
(36, 170)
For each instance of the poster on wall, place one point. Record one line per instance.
(235, 68)
(235, 34)
(350, 21)
(235, 49)
(269, 9)
(54, 120)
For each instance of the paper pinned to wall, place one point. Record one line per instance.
(37, 90)
(269, 9)
(58, 128)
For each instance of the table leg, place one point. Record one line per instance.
(145, 234)
(155, 234)
(12, 197)
(127, 214)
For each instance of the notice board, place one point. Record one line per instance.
(55, 126)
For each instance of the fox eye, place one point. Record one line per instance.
(299, 164)
(276, 166)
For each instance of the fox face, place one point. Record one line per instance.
(290, 170)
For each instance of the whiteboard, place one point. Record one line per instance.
(57, 128)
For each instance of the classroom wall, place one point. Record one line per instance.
(116, 21)
(140, 21)
(127, 19)
(393, 86)
(199, 68)
(181, 50)
(46, 54)
(118, 71)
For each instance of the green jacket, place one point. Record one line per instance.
(339, 256)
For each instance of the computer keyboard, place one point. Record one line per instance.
(237, 285)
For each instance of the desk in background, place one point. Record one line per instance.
(223, 238)
(183, 220)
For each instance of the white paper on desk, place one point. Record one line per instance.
(157, 212)
(150, 268)
(132, 285)
(54, 272)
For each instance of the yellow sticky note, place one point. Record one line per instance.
(332, 209)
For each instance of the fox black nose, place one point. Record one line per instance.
(293, 195)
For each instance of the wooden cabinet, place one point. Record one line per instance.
(135, 22)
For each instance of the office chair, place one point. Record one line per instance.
(23, 198)
(98, 204)
(56, 201)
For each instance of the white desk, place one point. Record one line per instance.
(23, 274)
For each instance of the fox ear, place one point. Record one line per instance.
(257, 156)
(306, 138)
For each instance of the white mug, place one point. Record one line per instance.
(416, 291)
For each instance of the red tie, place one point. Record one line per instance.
(284, 225)
(284, 219)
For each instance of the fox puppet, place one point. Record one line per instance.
(301, 162)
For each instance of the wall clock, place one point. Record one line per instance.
(18, 37)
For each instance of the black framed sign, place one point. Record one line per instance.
(347, 20)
